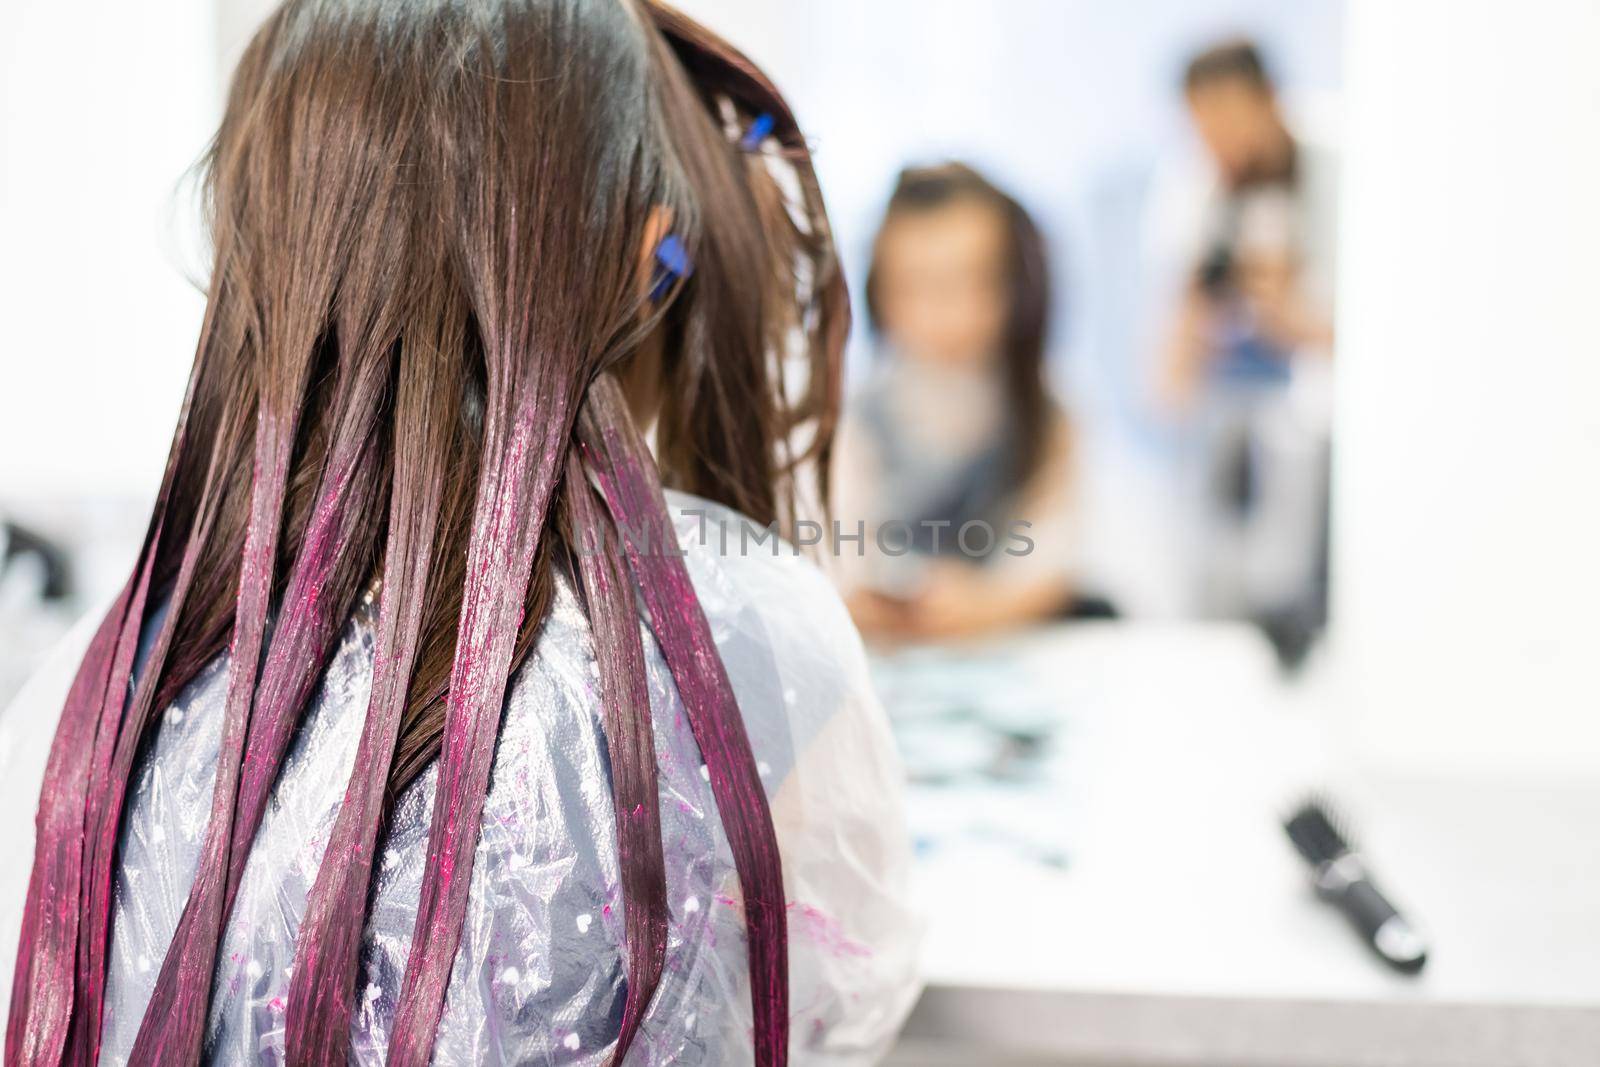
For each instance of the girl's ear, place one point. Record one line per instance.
(656, 228)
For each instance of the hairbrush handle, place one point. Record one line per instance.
(1343, 882)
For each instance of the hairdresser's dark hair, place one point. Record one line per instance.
(427, 220)
(1236, 59)
(921, 189)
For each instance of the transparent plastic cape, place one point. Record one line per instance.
(540, 975)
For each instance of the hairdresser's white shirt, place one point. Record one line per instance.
(538, 976)
(1185, 204)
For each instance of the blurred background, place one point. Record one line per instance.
(1273, 320)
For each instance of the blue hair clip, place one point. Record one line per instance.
(759, 131)
(672, 263)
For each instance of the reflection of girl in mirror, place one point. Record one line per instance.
(371, 761)
(955, 441)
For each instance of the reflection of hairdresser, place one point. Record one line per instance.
(955, 439)
(1245, 356)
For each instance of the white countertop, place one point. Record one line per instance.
(1181, 928)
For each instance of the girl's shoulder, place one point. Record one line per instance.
(773, 609)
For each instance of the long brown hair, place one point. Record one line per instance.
(1027, 267)
(427, 219)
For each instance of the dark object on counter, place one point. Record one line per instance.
(1340, 877)
(17, 541)
(1087, 607)
(1292, 633)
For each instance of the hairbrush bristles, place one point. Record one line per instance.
(1317, 834)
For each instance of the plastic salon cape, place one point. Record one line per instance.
(539, 977)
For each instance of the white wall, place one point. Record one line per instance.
(1468, 480)
(103, 107)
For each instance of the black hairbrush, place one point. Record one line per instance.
(1340, 877)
